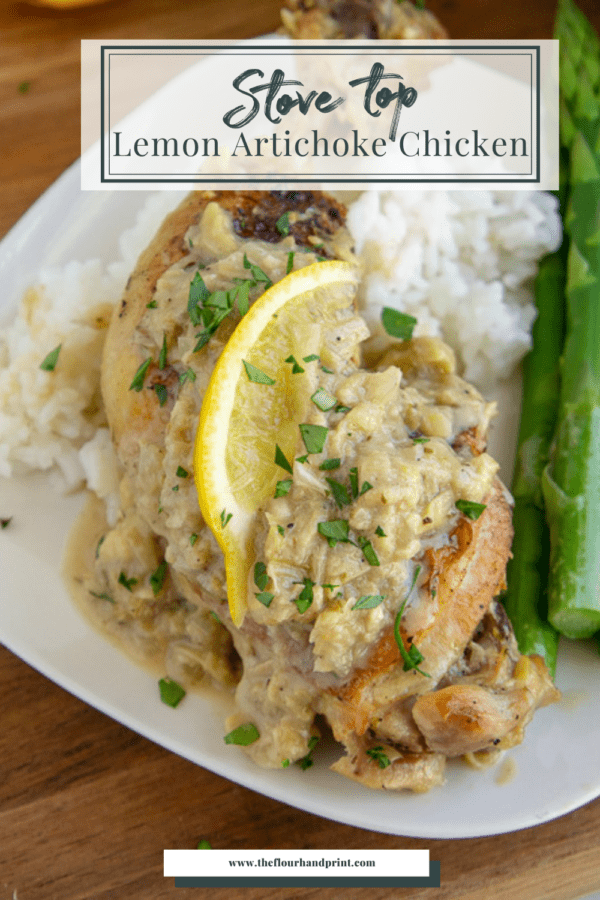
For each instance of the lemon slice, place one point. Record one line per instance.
(242, 421)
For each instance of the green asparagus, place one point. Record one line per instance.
(571, 481)
(525, 599)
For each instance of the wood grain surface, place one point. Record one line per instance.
(87, 806)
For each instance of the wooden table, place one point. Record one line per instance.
(87, 806)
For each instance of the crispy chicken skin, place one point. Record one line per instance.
(474, 692)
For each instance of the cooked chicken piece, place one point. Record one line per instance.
(335, 19)
(410, 440)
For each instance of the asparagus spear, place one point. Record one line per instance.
(525, 599)
(571, 481)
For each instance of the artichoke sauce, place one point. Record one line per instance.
(405, 441)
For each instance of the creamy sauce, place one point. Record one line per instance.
(78, 562)
(507, 771)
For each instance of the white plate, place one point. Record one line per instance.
(554, 771)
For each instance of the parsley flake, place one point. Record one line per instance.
(311, 358)
(161, 393)
(469, 509)
(4, 523)
(369, 601)
(336, 531)
(323, 400)
(290, 263)
(339, 492)
(127, 583)
(413, 656)
(193, 539)
(283, 224)
(378, 756)
(103, 596)
(49, 363)
(138, 379)
(397, 324)
(256, 375)
(307, 761)
(162, 357)
(157, 579)
(257, 272)
(243, 735)
(225, 518)
(314, 437)
(283, 487)
(188, 375)
(306, 596)
(265, 597)
(181, 472)
(296, 367)
(204, 845)
(261, 579)
(334, 462)
(281, 461)
(380, 532)
(171, 692)
(368, 552)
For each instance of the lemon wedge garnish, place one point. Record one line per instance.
(255, 401)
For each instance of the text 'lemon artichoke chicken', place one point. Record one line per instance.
(356, 522)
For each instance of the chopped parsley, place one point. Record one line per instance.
(171, 692)
(225, 518)
(283, 224)
(261, 579)
(380, 532)
(4, 523)
(256, 375)
(243, 735)
(378, 756)
(368, 552)
(296, 367)
(193, 539)
(290, 263)
(24, 87)
(161, 393)
(314, 437)
(323, 400)
(413, 656)
(421, 440)
(204, 845)
(188, 375)
(103, 596)
(397, 324)
(138, 379)
(469, 509)
(257, 273)
(305, 597)
(162, 356)
(265, 597)
(157, 579)
(334, 462)
(181, 472)
(369, 601)
(311, 358)
(285, 763)
(127, 583)
(281, 460)
(283, 487)
(152, 305)
(49, 363)
(336, 531)
(307, 761)
(340, 492)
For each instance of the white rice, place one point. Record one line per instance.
(461, 262)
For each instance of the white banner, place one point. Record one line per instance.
(340, 114)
